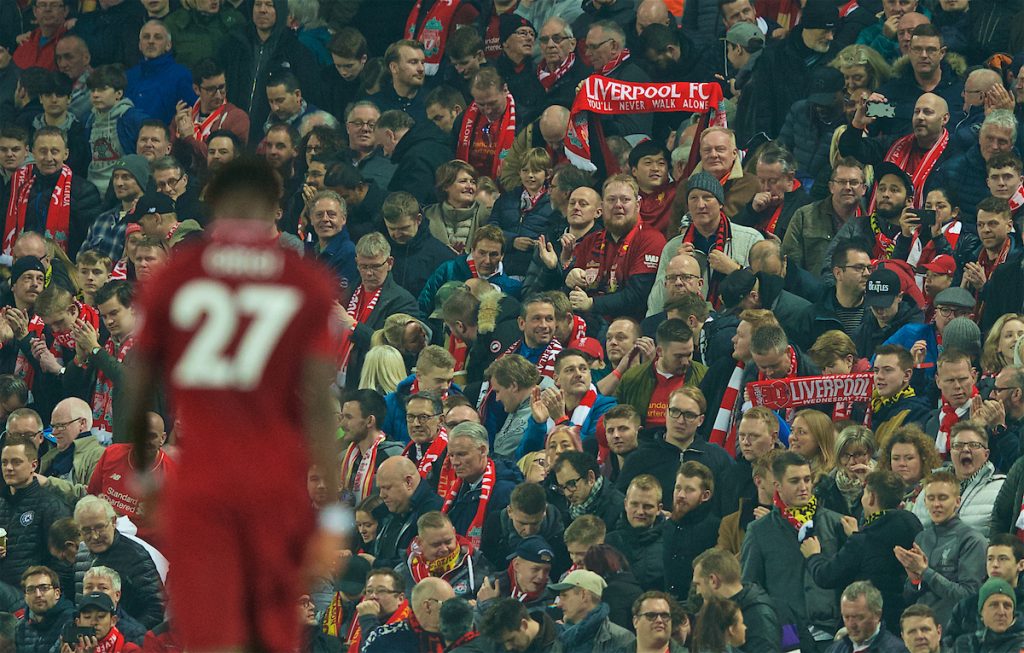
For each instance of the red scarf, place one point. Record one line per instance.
(1017, 200)
(768, 226)
(546, 364)
(430, 456)
(120, 271)
(547, 80)
(800, 516)
(948, 417)
(505, 137)
(792, 367)
(58, 215)
(420, 568)
(23, 367)
(900, 153)
(465, 639)
(355, 632)
(86, 313)
(361, 473)
(847, 8)
(990, 264)
(529, 202)
(723, 433)
(582, 412)
(919, 255)
(578, 331)
(433, 33)
(486, 487)
(604, 95)
(619, 59)
(722, 236)
(102, 400)
(519, 594)
(112, 643)
(360, 307)
(605, 277)
(202, 130)
(459, 350)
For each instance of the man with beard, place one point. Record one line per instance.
(211, 113)
(360, 123)
(525, 578)
(404, 90)
(611, 279)
(640, 538)
(780, 196)
(994, 226)
(692, 528)
(362, 414)
(223, 147)
(622, 431)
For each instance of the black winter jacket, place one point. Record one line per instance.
(417, 259)
(764, 634)
(500, 539)
(684, 540)
(514, 222)
(27, 515)
(871, 335)
(112, 34)
(396, 532)
(463, 509)
(393, 299)
(41, 637)
(644, 549)
(418, 156)
(808, 137)
(141, 587)
(662, 459)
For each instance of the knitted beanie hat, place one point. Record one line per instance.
(707, 182)
(962, 333)
(995, 586)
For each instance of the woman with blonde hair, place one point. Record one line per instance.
(383, 369)
(456, 217)
(812, 436)
(862, 68)
(841, 490)
(534, 467)
(406, 334)
(998, 350)
(910, 453)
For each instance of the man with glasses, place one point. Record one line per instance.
(517, 36)
(947, 562)
(406, 496)
(383, 602)
(376, 297)
(1003, 415)
(716, 574)
(560, 70)
(922, 340)
(77, 452)
(27, 423)
(609, 56)
(142, 588)
(39, 49)
(843, 308)
(682, 276)
(210, 113)
(361, 123)
(584, 491)
(979, 482)
(27, 510)
(420, 633)
(48, 611)
(653, 623)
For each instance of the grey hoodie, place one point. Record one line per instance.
(106, 144)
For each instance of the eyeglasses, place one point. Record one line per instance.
(973, 446)
(685, 278)
(998, 389)
(419, 419)
(169, 183)
(654, 616)
(24, 434)
(370, 267)
(852, 183)
(947, 311)
(94, 530)
(219, 88)
(38, 589)
(557, 38)
(591, 47)
(859, 268)
(675, 413)
(362, 124)
(854, 455)
(60, 426)
(931, 52)
(569, 486)
(379, 591)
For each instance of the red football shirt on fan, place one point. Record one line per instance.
(663, 387)
(608, 264)
(231, 323)
(112, 480)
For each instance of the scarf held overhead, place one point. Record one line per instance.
(603, 95)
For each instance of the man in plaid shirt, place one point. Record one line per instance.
(130, 178)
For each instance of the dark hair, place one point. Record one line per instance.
(230, 135)
(109, 76)
(994, 205)
(658, 38)
(529, 498)
(246, 175)
(503, 616)
(342, 174)
(205, 69)
(919, 610)
(63, 530)
(58, 84)
(13, 386)
(648, 148)
(370, 403)
(714, 619)
(283, 77)
(331, 141)
(14, 132)
(348, 43)
(905, 359)
(1012, 541)
(579, 461)
(35, 81)
(927, 29)
(605, 560)
(155, 123)
(446, 96)
(1004, 160)
(842, 252)
(123, 290)
(566, 353)
(395, 120)
(946, 189)
(293, 134)
(464, 43)
(887, 486)
(673, 605)
(673, 330)
(456, 618)
(784, 460)
(396, 578)
(568, 178)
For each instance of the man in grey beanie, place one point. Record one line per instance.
(719, 245)
(128, 181)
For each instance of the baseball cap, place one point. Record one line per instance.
(941, 264)
(956, 297)
(96, 601)
(354, 580)
(534, 549)
(446, 290)
(152, 203)
(882, 290)
(736, 286)
(591, 347)
(887, 168)
(826, 81)
(587, 580)
(820, 14)
(742, 34)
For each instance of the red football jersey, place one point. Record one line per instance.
(230, 322)
(113, 480)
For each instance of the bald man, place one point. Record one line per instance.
(584, 210)
(905, 27)
(406, 497)
(547, 132)
(978, 85)
(421, 631)
(652, 12)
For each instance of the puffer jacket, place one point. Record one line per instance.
(808, 137)
(419, 154)
(644, 549)
(27, 515)
(464, 506)
(515, 223)
(416, 259)
(966, 620)
(903, 90)
(956, 567)
(684, 540)
(141, 587)
(497, 329)
(977, 497)
(967, 173)
(596, 634)
(42, 636)
(500, 539)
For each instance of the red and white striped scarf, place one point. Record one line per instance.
(1017, 200)
(546, 363)
(948, 418)
(921, 254)
(102, 398)
(23, 367)
(203, 129)
(899, 154)
(430, 456)
(549, 79)
(361, 473)
(361, 312)
(619, 59)
(578, 331)
(723, 433)
(486, 487)
(518, 593)
(581, 412)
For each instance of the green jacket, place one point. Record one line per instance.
(810, 232)
(197, 37)
(87, 453)
(638, 383)
(185, 228)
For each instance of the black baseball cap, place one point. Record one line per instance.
(888, 168)
(882, 289)
(96, 601)
(534, 549)
(151, 203)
